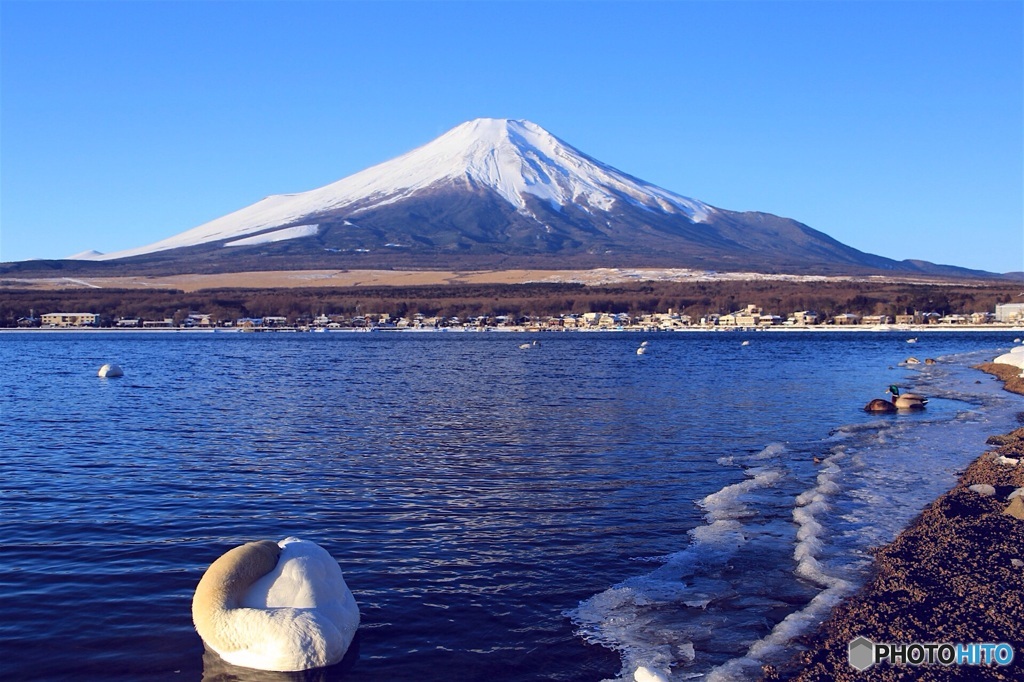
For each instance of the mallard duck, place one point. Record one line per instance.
(879, 405)
(906, 401)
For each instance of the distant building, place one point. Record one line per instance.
(710, 320)
(198, 320)
(670, 320)
(70, 319)
(982, 318)
(748, 317)
(1010, 312)
(803, 318)
(274, 321)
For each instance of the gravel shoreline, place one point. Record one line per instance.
(956, 575)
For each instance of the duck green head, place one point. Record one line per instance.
(894, 389)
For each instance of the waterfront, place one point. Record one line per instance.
(564, 511)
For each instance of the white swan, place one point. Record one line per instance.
(276, 606)
(642, 350)
(110, 371)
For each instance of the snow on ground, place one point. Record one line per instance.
(350, 278)
(602, 276)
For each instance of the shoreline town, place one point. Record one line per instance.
(751, 318)
(954, 575)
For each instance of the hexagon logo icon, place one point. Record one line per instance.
(862, 653)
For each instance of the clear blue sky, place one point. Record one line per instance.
(896, 127)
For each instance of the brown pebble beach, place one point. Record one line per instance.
(956, 575)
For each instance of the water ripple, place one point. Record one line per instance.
(472, 493)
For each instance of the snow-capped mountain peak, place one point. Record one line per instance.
(516, 158)
(498, 194)
(512, 158)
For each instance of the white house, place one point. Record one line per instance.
(1005, 312)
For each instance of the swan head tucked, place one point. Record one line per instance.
(227, 578)
(276, 606)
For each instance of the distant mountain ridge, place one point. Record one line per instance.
(498, 193)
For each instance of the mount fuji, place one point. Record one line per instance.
(498, 193)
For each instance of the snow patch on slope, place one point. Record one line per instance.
(92, 254)
(281, 235)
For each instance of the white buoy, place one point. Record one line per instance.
(110, 371)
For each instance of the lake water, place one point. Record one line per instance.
(563, 512)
